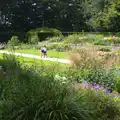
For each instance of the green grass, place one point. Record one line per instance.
(36, 62)
(50, 53)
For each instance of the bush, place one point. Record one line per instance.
(108, 105)
(43, 33)
(34, 40)
(27, 46)
(100, 42)
(2, 46)
(94, 76)
(94, 37)
(55, 39)
(75, 38)
(49, 30)
(116, 41)
(85, 59)
(59, 47)
(14, 41)
(102, 77)
(56, 46)
(105, 49)
(81, 38)
(117, 81)
(52, 46)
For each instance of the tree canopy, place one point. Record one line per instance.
(65, 15)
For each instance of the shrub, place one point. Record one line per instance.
(94, 37)
(49, 30)
(14, 41)
(2, 46)
(101, 76)
(117, 81)
(75, 38)
(56, 46)
(101, 42)
(53, 46)
(116, 41)
(94, 76)
(9, 62)
(34, 40)
(43, 33)
(55, 39)
(85, 59)
(59, 47)
(109, 105)
(105, 49)
(27, 46)
(79, 38)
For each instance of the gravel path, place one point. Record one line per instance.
(37, 57)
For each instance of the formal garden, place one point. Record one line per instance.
(86, 89)
(78, 78)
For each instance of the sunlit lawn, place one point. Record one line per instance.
(36, 62)
(50, 53)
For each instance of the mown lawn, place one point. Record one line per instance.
(50, 53)
(36, 62)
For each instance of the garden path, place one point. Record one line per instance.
(37, 57)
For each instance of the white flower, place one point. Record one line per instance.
(63, 82)
(64, 78)
(57, 77)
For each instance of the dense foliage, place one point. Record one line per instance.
(72, 15)
(39, 93)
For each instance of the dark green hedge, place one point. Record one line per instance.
(4, 37)
(43, 33)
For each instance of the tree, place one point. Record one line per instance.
(104, 15)
(24, 15)
(27, 14)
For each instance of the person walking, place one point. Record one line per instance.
(44, 51)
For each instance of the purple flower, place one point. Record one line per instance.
(101, 87)
(91, 85)
(96, 86)
(108, 91)
(72, 84)
(84, 84)
(108, 105)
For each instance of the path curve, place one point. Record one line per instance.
(37, 57)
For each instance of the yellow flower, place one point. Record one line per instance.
(110, 38)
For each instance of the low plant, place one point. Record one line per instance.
(85, 59)
(3, 46)
(14, 41)
(55, 38)
(101, 42)
(101, 76)
(105, 49)
(75, 38)
(116, 41)
(34, 39)
(59, 47)
(117, 81)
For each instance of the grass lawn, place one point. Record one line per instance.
(36, 62)
(50, 53)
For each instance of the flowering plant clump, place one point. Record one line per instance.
(62, 80)
(110, 38)
(99, 87)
